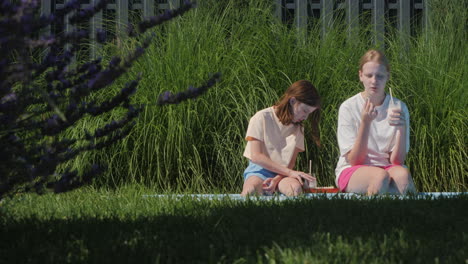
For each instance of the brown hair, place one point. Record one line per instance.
(376, 56)
(306, 93)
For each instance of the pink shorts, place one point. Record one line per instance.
(348, 172)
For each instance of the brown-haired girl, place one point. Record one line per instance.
(275, 136)
(373, 135)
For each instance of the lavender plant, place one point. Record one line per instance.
(41, 99)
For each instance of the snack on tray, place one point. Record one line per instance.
(327, 189)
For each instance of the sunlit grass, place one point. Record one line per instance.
(120, 226)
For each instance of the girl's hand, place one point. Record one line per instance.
(397, 118)
(369, 112)
(299, 175)
(270, 184)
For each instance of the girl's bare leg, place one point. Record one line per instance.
(369, 180)
(401, 180)
(290, 187)
(252, 186)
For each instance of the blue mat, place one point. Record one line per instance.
(422, 195)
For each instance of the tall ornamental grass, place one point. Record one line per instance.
(198, 146)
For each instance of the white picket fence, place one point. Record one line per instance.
(301, 10)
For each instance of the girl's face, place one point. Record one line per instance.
(373, 76)
(300, 110)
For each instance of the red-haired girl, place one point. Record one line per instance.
(275, 136)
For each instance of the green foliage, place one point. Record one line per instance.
(198, 146)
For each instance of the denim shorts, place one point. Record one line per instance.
(257, 170)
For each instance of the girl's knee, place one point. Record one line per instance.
(291, 187)
(252, 186)
(402, 179)
(294, 190)
(380, 183)
(248, 190)
(383, 177)
(400, 173)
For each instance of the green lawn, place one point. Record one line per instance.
(99, 226)
(197, 147)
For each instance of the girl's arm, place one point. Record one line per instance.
(258, 157)
(358, 152)
(270, 184)
(293, 159)
(398, 155)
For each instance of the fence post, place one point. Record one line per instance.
(404, 16)
(46, 9)
(404, 22)
(426, 15)
(122, 18)
(95, 24)
(352, 18)
(301, 18)
(148, 8)
(279, 10)
(69, 28)
(326, 15)
(378, 20)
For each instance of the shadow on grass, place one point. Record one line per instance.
(330, 231)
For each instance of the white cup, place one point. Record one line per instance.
(393, 105)
(310, 184)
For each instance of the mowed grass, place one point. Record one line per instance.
(196, 147)
(104, 226)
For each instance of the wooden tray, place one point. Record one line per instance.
(327, 189)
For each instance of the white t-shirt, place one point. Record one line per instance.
(381, 134)
(279, 140)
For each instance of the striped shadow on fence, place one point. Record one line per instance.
(121, 9)
(407, 15)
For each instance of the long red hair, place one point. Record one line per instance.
(306, 93)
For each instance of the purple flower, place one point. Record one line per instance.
(65, 83)
(100, 35)
(13, 138)
(51, 122)
(71, 5)
(115, 61)
(167, 14)
(166, 96)
(11, 97)
(72, 107)
(192, 92)
(52, 125)
(191, 4)
(63, 90)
